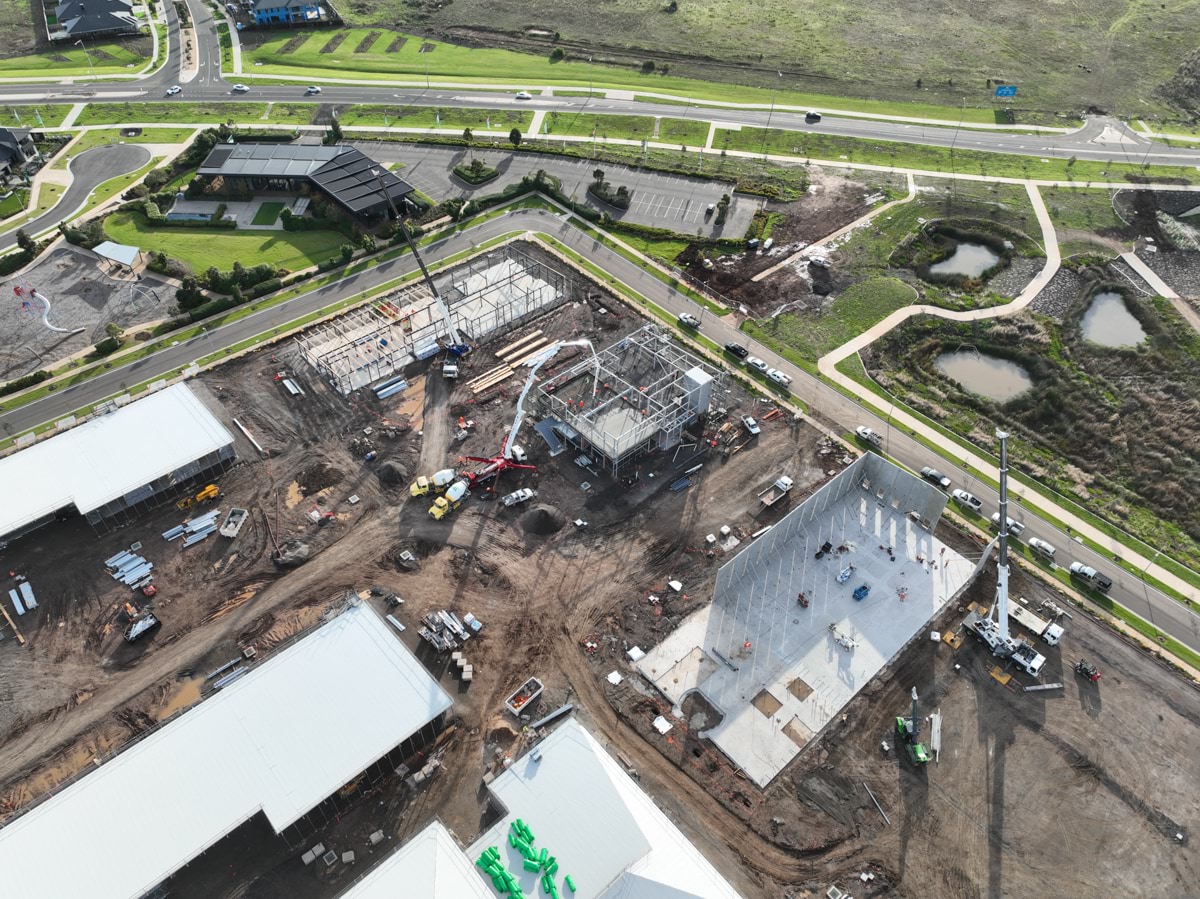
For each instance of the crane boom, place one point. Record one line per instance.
(457, 347)
(539, 360)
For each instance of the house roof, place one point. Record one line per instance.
(278, 741)
(263, 5)
(344, 173)
(87, 16)
(106, 458)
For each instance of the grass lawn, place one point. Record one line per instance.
(435, 117)
(937, 159)
(68, 60)
(1082, 208)
(34, 116)
(453, 63)
(268, 213)
(628, 127)
(805, 338)
(246, 115)
(15, 203)
(199, 249)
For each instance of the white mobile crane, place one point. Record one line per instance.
(456, 347)
(511, 453)
(993, 632)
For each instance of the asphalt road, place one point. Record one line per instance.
(1134, 594)
(89, 169)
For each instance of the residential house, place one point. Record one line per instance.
(16, 149)
(286, 12)
(88, 18)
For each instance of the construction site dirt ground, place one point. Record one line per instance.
(1074, 792)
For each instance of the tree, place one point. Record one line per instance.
(347, 252)
(477, 166)
(598, 176)
(112, 329)
(335, 131)
(514, 137)
(468, 135)
(189, 295)
(25, 242)
(558, 54)
(673, 6)
(919, 83)
(647, 67)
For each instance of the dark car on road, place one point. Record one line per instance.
(736, 349)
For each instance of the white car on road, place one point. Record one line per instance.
(779, 377)
(757, 364)
(240, 89)
(524, 95)
(970, 500)
(870, 435)
(173, 90)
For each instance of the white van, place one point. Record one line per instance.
(1042, 548)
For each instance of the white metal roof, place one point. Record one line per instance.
(429, 866)
(117, 252)
(603, 830)
(107, 457)
(280, 740)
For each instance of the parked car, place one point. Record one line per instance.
(1014, 527)
(819, 262)
(1042, 548)
(779, 377)
(751, 425)
(757, 364)
(812, 117)
(240, 89)
(736, 349)
(312, 89)
(709, 209)
(970, 500)
(870, 435)
(524, 95)
(1100, 581)
(173, 90)
(688, 320)
(935, 477)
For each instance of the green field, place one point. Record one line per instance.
(453, 63)
(14, 203)
(894, 154)
(434, 117)
(246, 115)
(627, 127)
(28, 116)
(805, 338)
(268, 213)
(68, 60)
(199, 249)
(1063, 56)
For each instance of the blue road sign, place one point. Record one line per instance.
(1006, 90)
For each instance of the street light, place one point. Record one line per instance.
(767, 130)
(91, 67)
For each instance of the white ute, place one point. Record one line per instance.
(869, 435)
(519, 496)
(970, 500)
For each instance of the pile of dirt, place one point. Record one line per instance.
(393, 473)
(541, 521)
(317, 477)
(292, 554)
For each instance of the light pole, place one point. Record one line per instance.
(91, 67)
(770, 115)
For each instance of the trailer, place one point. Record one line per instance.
(1048, 631)
(776, 491)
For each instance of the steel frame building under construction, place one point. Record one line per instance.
(648, 389)
(491, 293)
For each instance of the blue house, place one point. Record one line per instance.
(286, 12)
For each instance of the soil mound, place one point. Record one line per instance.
(543, 520)
(393, 472)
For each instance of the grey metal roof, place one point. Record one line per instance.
(88, 16)
(344, 173)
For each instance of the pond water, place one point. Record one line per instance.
(997, 379)
(1109, 322)
(970, 259)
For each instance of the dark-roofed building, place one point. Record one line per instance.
(78, 18)
(343, 174)
(16, 149)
